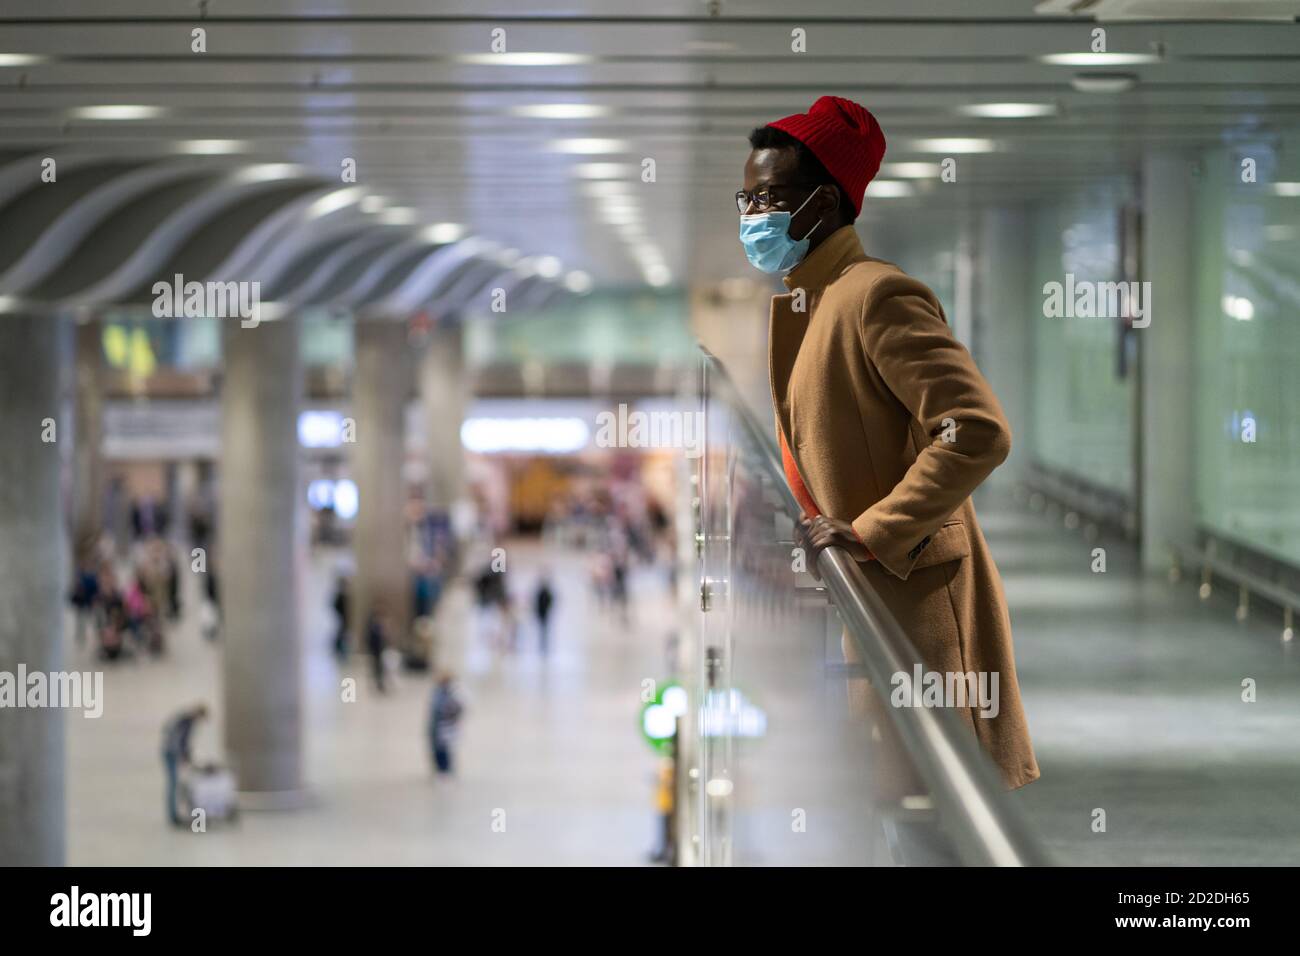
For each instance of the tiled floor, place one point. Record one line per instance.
(552, 743)
(1133, 689)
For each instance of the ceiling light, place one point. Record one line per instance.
(658, 275)
(211, 147)
(618, 217)
(604, 170)
(525, 59)
(910, 170)
(1007, 110)
(397, 216)
(335, 200)
(709, 46)
(560, 110)
(608, 189)
(589, 146)
(1099, 59)
(578, 282)
(1104, 82)
(118, 112)
(954, 144)
(1286, 189)
(889, 189)
(20, 59)
(548, 267)
(262, 172)
(444, 232)
(1238, 307)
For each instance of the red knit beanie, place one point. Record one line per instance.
(845, 137)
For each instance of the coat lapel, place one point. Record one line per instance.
(787, 327)
(785, 334)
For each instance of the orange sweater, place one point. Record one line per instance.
(799, 489)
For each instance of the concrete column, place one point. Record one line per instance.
(33, 575)
(259, 556)
(1002, 336)
(87, 451)
(443, 395)
(1167, 357)
(379, 392)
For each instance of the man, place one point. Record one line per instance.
(886, 426)
(377, 641)
(444, 718)
(176, 752)
(543, 601)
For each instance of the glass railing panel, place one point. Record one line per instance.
(781, 769)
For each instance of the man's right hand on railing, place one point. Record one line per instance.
(822, 532)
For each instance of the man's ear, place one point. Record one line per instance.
(830, 199)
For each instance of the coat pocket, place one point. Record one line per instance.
(947, 544)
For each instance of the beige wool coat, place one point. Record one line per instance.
(892, 427)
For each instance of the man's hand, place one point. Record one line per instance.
(822, 532)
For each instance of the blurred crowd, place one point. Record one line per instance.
(126, 603)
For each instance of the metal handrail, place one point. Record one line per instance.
(986, 828)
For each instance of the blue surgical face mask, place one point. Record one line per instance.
(767, 242)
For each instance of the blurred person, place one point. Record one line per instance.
(619, 558)
(618, 588)
(176, 752)
(172, 578)
(85, 597)
(665, 780)
(153, 571)
(508, 620)
(210, 610)
(378, 639)
(142, 518)
(543, 601)
(445, 713)
(342, 603)
(200, 522)
(141, 615)
(114, 623)
(896, 425)
(602, 573)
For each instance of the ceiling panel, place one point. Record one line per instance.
(438, 124)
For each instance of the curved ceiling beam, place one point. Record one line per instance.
(464, 289)
(133, 245)
(281, 263)
(21, 170)
(204, 251)
(300, 220)
(343, 267)
(385, 272)
(294, 267)
(59, 233)
(514, 281)
(429, 276)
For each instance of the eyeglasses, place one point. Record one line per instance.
(762, 198)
